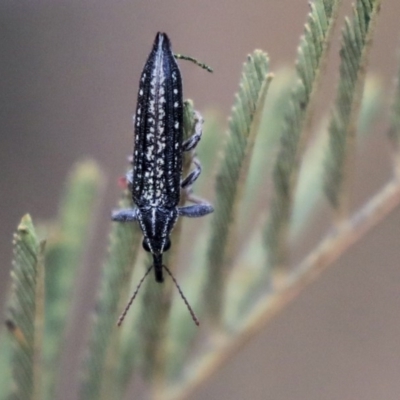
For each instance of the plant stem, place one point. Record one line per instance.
(336, 242)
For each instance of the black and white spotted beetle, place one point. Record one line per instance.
(156, 178)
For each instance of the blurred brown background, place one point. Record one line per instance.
(68, 77)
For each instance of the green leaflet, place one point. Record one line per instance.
(310, 60)
(103, 356)
(356, 42)
(26, 313)
(182, 332)
(208, 150)
(264, 153)
(309, 190)
(249, 278)
(243, 128)
(6, 353)
(66, 245)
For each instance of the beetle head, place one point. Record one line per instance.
(157, 224)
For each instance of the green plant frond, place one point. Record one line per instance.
(310, 60)
(311, 179)
(130, 352)
(182, 331)
(208, 148)
(249, 277)
(64, 251)
(156, 301)
(26, 312)
(243, 128)
(265, 148)
(103, 354)
(6, 354)
(248, 281)
(371, 105)
(356, 42)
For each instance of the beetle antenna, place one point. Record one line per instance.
(194, 318)
(123, 315)
(193, 60)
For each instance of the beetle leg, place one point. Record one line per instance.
(191, 142)
(192, 177)
(198, 210)
(125, 215)
(129, 178)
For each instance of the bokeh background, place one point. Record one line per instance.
(68, 80)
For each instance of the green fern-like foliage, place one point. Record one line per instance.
(100, 363)
(310, 61)
(243, 129)
(356, 42)
(26, 313)
(39, 337)
(272, 173)
(66, 244)
(310, 188)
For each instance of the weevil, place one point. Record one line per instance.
(156, 177)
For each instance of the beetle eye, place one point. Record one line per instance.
(145, 245)
(167, 245)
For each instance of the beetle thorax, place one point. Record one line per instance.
(157, 224)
